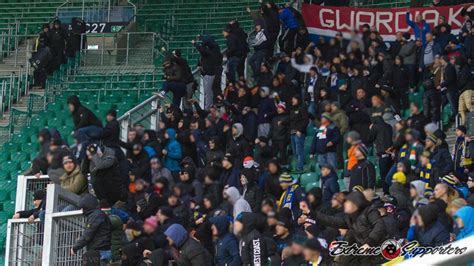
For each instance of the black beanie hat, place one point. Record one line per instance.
(112, 112)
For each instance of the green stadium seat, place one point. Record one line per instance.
(4, 195)
(310, 186)
(307, 178)
(4, 216)
(9, 207)
(4, 175)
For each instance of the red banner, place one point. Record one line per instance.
(327, 21)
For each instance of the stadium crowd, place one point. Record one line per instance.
(221, 185)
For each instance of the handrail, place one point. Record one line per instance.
(137, 107)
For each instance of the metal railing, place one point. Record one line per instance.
(96, 10)
(59, 228)
(25, 189)
(62, 228)
(146, 114)
(119, 49)
(24, 243)
(65, 228)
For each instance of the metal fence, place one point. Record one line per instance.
(62, 227)
(146, 114)
(66, 228)
(118, 49)
(97, 10)
(25, 189)
(24, 242)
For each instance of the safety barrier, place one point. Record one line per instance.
(59, 226)
(119, 49)
(24, 243)
(25, 189)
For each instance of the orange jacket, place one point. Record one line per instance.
(351, 159)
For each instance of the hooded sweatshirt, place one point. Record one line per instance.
(466, 214)
(97, 234)
(82, 116)
(191, 252)
(253, 249)
(238, 202)
(174, 155)
(420, 191)
(227, 246)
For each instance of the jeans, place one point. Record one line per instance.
(177, 88)
(297, 145)
(263, 130)
(312, 109)
(232, 66)
(328, 158)
(256, 60)
(207, 82)
(453, 100)
(105, 255)
(85, 134)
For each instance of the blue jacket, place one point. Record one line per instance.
(466, 214)
(321, 139)
(288, 19)
(227, 246)
(266, 110)
(433, 236)
(329, 186)
(175, 154)
(419, 32)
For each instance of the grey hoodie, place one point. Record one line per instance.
(238, 202)
(239, 128)
(420, 190)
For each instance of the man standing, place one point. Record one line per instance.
(325, 142)
(260, 44)
(363, 173)
(253, 250)
(298, 124)
(227, 246)
(98, 232)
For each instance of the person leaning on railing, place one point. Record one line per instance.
(39, 204)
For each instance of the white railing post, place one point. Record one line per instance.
(51, 202)
(154, 116)
(20, 191)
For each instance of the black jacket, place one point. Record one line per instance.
(209, 61)
(106, 178)
(363, 174)
(449, 78)
(82, 116)
(111, 134)
(234, 48)
(381, 135)
(365, 226)
(253, 247)
(279, 127)
(97, 234)
(192, 253)
(298, 118)
(432, 104)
